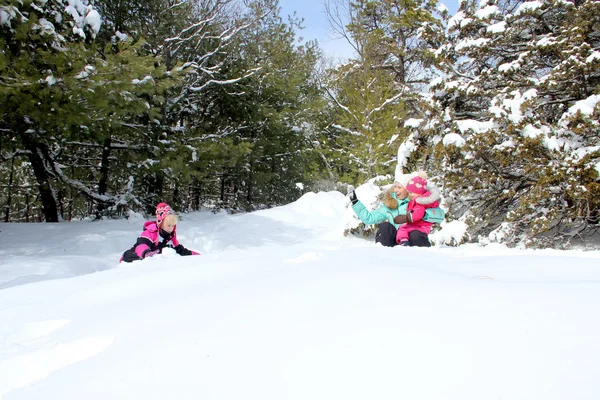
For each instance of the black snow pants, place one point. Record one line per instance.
(386, 235)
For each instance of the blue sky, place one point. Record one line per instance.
(317, 27)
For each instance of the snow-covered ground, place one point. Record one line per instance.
(282, 306)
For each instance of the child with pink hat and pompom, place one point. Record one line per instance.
(420, 200)
(148, 243)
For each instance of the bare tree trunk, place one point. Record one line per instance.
(176, 197)
(61, 204)
(27, 204)
(249, 187)
(72, 197)
(10, 182)
(222, 188)
(36, 157)
(196, 189)
(103, 183)
(155, 188)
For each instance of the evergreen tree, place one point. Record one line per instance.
(376, 93)
(71, 104)
(252, 145)
(43, 50)
(517, 134)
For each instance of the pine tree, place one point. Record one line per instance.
(40, 40)
(376, 93)
(71, 103)
(517, 137)
(254, 141)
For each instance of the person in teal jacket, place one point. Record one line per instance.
(392, 213)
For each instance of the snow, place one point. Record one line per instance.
(528, 6)
(514, 104)
(467, 43)
(456, 20)
(487, 12)
(84, 15)
(5, 17)
(508, 144)
(413, 122)
(121, 36)
(94, 21)
(146, 79)
(511, 66)
(282, 306)
(78, 6)
(79, 31)
(498, 27)
(453, 139)
(474, 125)
(530, 131)
(51, 80)
(45, 26)
(586, 106)
(547, 41)
(404, 151)
(595, 55)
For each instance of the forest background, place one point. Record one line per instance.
(111, 106)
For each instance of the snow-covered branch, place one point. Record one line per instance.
(224, 82)
(343, 129)
(82, 188)
(223, 134)
(385, 103)
(8, 156)
(120, 146)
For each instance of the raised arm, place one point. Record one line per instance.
(370, 217)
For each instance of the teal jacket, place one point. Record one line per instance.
(385, 212)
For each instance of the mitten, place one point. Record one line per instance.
(402, 219)
(182, 251)
(352, 195)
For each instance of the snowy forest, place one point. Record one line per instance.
(111, 106)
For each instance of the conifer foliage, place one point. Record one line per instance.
(114, 106)
(516, 134)
(375, 93)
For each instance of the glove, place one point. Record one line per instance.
(402, 219)
(182, 251)
(352, 195)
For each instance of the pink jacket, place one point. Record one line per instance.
(151, 233)
(151, 242)
(417, 212)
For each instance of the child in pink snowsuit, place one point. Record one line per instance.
(149, 244)
(420, 200)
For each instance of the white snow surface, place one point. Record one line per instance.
(282, 306)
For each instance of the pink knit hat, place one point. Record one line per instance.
(417, 185)
(162, 210)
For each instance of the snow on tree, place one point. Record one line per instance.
(516, 136)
